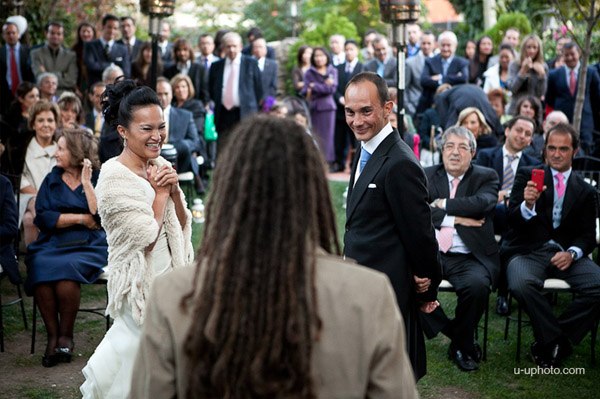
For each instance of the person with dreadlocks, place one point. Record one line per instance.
(271, 310)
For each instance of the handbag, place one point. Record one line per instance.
(210, 131)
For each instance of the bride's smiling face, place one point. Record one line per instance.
(145, 133)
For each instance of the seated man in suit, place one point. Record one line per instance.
(551, 234)
(181, 132)
(384, 63)
(54, 57)
(462, 198)
(100, 53)
(446, 67)
(506, 160)
(268, 68)
(562, 92)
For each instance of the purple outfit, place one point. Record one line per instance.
(322, 108)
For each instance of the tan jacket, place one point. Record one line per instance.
(361, 353)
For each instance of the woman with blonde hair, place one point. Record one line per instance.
(529, 74)
(472, 118)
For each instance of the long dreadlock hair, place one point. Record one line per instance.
(255, 316)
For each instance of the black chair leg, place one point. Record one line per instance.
(1, 326)
(33, 326)
(485, 327)
(508, 317)
(22, 303)
(594, 335)
(519, 326)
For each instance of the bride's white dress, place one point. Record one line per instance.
(108, 372)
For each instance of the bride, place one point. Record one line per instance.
(148, 230)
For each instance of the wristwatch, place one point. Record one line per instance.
(573, 253)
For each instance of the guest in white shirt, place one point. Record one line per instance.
(38, 162)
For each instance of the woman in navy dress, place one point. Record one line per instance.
(71, 248)
(320, 83)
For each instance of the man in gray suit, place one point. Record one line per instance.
(54, 57)
(414, 68)
(384, 64)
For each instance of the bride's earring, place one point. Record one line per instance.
(124, 141)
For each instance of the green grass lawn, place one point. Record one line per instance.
(495, 379)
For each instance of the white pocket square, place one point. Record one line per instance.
(372, 185)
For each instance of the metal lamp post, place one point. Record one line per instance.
(157, 10)
(400, 13)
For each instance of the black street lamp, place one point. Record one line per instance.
(400, 13)
(157, 10)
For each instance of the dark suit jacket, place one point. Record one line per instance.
(135, 49)
(559, 97)
(6, 96)
(492, 158)
(9, 229)
(458, 73)
(183, 131)
(96, 61)
(476, 198)
(451, 102)
(195, 73)
(167, 55)
(388, 228)
(389, 70)
(578, 218)
(269, 78)
(250, 86)
(343, 79)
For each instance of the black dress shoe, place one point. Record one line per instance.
(541, 355)
(502, 306)
(462, 359)
(49, 360)
(476, 352)
(559, 352)
(63, 354)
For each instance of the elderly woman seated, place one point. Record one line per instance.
(34, 156)
(71, 248)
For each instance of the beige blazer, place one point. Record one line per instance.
(361, 353)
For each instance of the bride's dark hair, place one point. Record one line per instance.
(254, 304)
(121, 99)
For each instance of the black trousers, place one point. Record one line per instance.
(343, 140)
(226, 121)
(472, 283)
(526, 275)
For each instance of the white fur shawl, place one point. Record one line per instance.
(130, 227)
